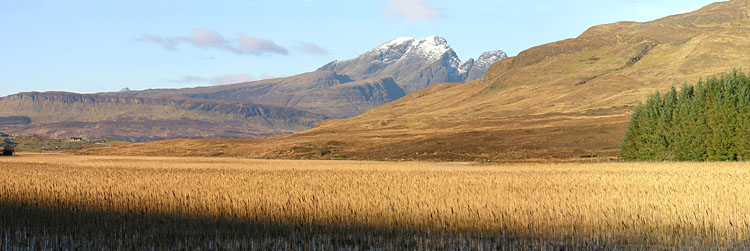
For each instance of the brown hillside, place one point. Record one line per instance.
(569, 98)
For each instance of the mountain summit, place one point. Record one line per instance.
(414, 63)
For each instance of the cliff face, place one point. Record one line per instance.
(63, 115)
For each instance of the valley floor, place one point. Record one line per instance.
(61, 201)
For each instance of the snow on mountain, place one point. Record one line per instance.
(490, 57)
(466, 66)
(395, 42)
(414, 63)
(483, 63)
(431, 48)
(390, 51)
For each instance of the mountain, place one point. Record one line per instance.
(413, 63)
(322, 92)
(64, 115)
(565, 99)
(343, 89)
(478, 67)
(306, 99)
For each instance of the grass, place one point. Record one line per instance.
(57, 201)
(34, 143)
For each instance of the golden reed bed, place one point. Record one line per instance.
(53, 201)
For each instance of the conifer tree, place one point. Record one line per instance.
(707, 121)
(742, 137)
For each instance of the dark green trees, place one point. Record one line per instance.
(706, 122)
(8, 148)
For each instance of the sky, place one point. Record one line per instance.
(90, 46)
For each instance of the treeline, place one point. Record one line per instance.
(7, 147)
(708, 121)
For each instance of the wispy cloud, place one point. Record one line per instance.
(310, 48)
(204, 38)
(209, 39)
(418, 10)
(166, 43)
(218, 80)
(257, 46)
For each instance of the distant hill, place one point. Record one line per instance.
(570, 98)
(323, 92)
(65, 115)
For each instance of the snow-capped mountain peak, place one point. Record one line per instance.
(413, 63)
(431, 48)
(388, 52)
(490, 57)
(396, 42)
(479, 66)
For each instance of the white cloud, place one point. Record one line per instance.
(259, 46)
(310, 48)
(207, 39)
(419, 10)
(166, 43)
(218, 80)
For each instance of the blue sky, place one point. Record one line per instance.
(98, 46)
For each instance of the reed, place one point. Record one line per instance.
(54, 201)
